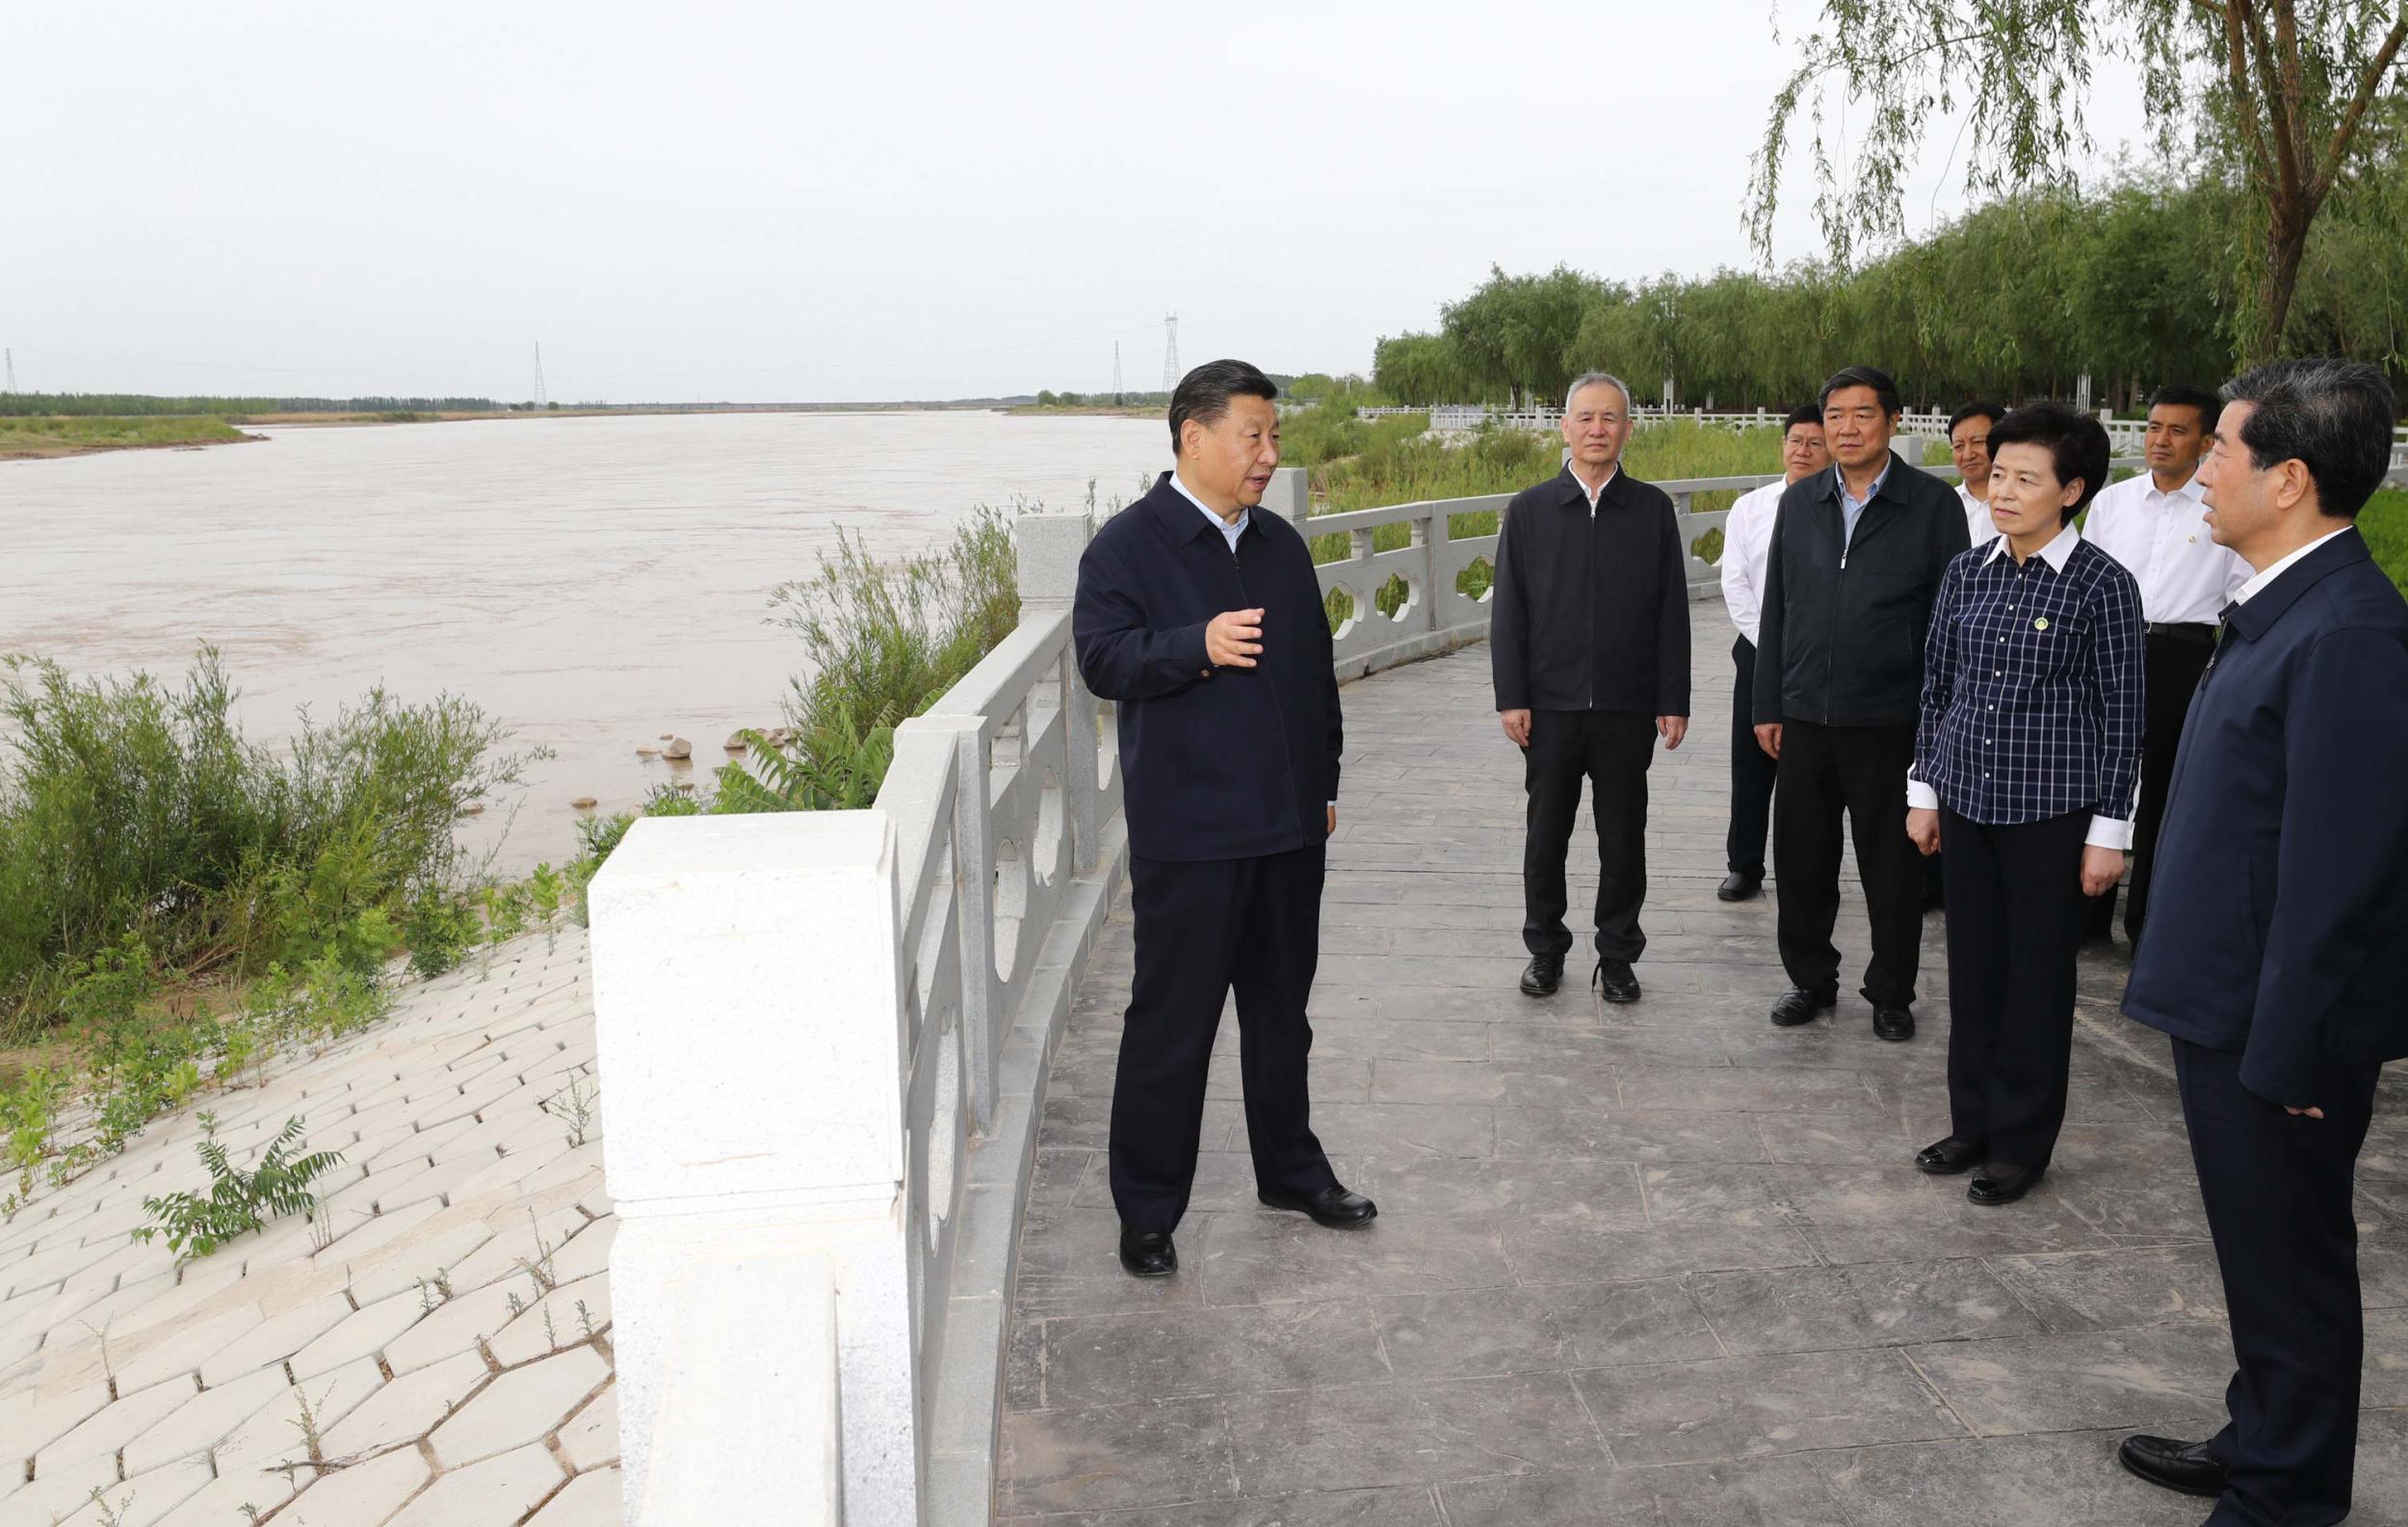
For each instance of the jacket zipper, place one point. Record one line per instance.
(1588, 662)
(1279, 713)
(1831, 649)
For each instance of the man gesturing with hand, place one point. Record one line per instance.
(1200, 617)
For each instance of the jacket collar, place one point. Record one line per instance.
(1575, 492)
(2252, 619)
(1174, 514)
(1887, 488)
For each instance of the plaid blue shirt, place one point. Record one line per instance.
(2031, 703)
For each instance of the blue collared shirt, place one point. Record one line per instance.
(1852, 509)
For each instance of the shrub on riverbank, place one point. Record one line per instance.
(137, 826)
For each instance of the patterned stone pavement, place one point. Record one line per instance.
(1663, 1264)
(433, 1351)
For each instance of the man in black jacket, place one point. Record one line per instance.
(1857, 554)
(1201, 618)
(2274, 956)
(1589, 643)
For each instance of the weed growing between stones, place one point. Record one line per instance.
(238, 1201)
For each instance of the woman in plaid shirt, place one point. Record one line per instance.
(2026, 760)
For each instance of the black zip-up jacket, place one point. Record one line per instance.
(1219, 763)
(1842, 639)
(1590, 609)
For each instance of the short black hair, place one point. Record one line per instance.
(2334, 417)
(1979, 408)
(2076, 443)
(2177, 395)
(1204, 393)
(1872, 377)
(1803, 413)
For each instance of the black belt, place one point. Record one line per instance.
(2193, 632)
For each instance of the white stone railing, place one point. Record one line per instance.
(827, 1034)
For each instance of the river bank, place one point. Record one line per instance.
(47, 437)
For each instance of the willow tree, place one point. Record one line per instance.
(2277, 87)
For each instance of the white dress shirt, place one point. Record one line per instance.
(2256, 584)
(1592, 492)
(1977, 522)
(2105, 831)
(2185, 578)
(1230, 528)
(1746, 550)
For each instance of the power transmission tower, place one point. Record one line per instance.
(1170, 352)
(12, 388)
(541, 399)
(1116, 374)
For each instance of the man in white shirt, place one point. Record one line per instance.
(1746, 537)
(1968, 445)
(2154, 525)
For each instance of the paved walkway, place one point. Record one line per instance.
(434, 1350)
(1663, 1264)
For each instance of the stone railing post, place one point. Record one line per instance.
(1049, 547)
(1289, 496)
(749, 1011)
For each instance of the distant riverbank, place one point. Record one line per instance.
(42, 437)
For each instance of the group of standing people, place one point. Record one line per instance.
(2210, 669)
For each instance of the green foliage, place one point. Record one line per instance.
(2131, 281)
(141, 833)
(238, 1201)
(2384, 522)
(87, 405)
(35, 434)
(439, 925)
(2269, 98)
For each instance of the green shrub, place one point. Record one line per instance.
(135, 817)
(238, 1201)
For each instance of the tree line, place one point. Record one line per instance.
(2134, 284)
(124, 405)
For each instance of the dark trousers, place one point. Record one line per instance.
(1860, 771)
(1203, 928)
(2171, 669)
(1612, 750)
(2015, 926)
(2277, 1193)
(1753, 770)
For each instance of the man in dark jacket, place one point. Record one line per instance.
(1200, 615)
(2275, 956)
(1857, 554)
(1589, 643)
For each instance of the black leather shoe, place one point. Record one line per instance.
(1333, 1206)
(2185, 1466)
(1615, 981)
(1148, 1253)
(1945, 1158)
(1740, 884)
(1798, 1005)
(1542, 975)
(2001, 1183)
(1893, 1023)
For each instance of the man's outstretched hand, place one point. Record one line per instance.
(1233, 638)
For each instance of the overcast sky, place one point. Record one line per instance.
(778, 201)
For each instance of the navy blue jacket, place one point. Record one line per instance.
(1217, 763)
(2278, 913)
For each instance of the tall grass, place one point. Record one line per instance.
(136, 824)
(42, 436)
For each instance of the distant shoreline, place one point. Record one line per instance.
(36, 438)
